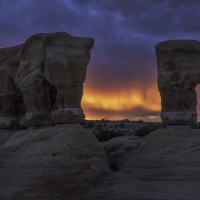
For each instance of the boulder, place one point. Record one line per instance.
(54, 162)
(178, 64)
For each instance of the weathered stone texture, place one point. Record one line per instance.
(48, 70)
(162, 166)
(54, 162)
(178, 64)
(12, 106)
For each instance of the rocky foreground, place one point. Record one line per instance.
(66, 161)
(165, 166)
(55, 162)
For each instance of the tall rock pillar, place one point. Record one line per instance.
(178, 64)
(51, 73)
(41, 81)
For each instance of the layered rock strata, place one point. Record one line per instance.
(178, 64)
(48, 70)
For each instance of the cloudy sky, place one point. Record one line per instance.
(121, 77)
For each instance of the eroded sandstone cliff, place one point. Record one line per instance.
(55, 162)
(41, 83)
(42, 80)
(178, 64)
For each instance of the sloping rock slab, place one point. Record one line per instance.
(166, 166)
(53, 162)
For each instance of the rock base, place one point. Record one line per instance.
(10, 123)
(57, 117)
(179, 117)
(67, 115)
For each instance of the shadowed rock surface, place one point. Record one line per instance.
(54, 162)
(162, 166)
(48, 70)
(12, 107)
(178, 64)
(67, 162)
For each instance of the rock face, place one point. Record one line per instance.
(48, 70)
(162, 166)
(178, 64)
(67, 162)
(12, 107)
(54, 162)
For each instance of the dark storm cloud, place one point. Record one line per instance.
(157, 17)
(118, 24)
(125, 31)
(21, 18)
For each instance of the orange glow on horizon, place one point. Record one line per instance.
(120, 101)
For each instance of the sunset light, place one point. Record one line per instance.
(115, 104)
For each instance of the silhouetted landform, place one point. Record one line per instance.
(41, 81)
(178, 74)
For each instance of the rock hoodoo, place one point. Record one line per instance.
(41, 83)
(178, 64)
(42, 80)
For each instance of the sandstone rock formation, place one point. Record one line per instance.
(49, 71)
(12, 107)
(54, 162)
(66, 161)
(162, 166)
(178, 64)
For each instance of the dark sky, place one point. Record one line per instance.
(123, 63)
